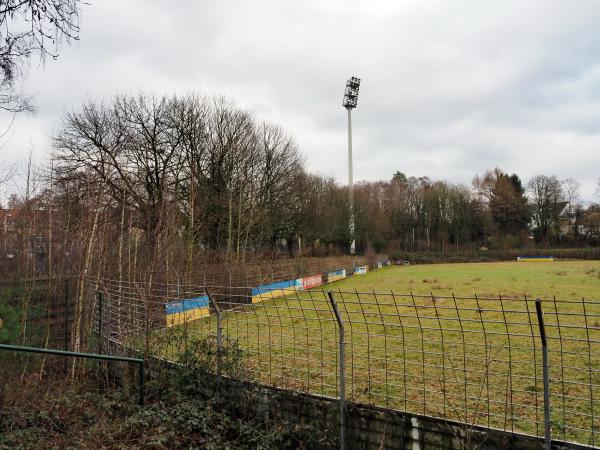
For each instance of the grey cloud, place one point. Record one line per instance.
(449, 88)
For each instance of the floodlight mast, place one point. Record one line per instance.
(350, 102)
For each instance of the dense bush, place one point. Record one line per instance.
(185, 408)
(80, 419)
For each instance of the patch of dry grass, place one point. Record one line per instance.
(475, 359)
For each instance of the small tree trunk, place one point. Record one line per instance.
(79, 304)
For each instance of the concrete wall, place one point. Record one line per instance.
(368, 427)
(371, 427)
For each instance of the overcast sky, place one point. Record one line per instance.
(449, 88)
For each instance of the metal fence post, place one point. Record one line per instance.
(100, 297)
(547, 424)
(217, 309)
(342, 370)
(66, 321)
(66, 315)
(141, 381)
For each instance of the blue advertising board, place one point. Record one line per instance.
(186, 310)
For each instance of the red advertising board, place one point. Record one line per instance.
(312, 281)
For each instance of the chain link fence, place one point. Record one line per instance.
(477, 360)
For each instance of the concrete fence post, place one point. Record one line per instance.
(217, 309)
(342, 370)
(546, 371)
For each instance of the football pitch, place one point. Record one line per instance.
(563, 279)
(457, 341)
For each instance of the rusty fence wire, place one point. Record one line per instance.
(475, 360)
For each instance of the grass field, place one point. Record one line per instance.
(563, 279)
(432, 347)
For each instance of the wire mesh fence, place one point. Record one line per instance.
(246, 273)
(38, 312)
(477, 360)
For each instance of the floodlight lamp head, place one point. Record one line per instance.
(351, 93)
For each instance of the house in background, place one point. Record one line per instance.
(589, 225)
(8, 231)
(23, 233)
(8, 219)
(562, 216)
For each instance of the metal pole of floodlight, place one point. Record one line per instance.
(350, 101)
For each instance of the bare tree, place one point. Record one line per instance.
(570, 190)
(131, 148)
(28, 27)
(226, 182)
(7, 171)
(546, 194)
